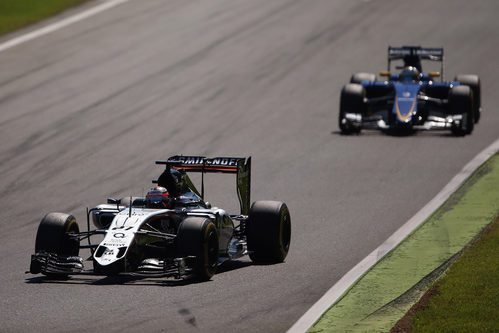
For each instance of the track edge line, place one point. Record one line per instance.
(342, 286)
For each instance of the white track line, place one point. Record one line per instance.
(61, 24)
(336, 291)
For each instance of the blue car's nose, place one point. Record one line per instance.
(405, 105)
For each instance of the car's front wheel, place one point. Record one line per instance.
(473, 81)
(53, 236)
(461, 102)
(352, 102)
(197, 237)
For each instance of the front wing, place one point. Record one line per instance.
(56, 265)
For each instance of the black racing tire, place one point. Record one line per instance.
(461, 102)
(351, 100)
(359, 77)
(52, 235)
(473, 81)
(197, 236)
(268, 231)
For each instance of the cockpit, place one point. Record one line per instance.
(410, 73)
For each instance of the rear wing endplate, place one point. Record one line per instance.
(241, 166)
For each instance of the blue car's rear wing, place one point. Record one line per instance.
(412, 56)
(423, 53)
(241, 166)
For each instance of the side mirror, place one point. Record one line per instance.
(385, 73)
(208, 204)
(434, 74)
(113, 201)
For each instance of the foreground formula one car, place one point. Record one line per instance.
(410, 100)
(172, 232)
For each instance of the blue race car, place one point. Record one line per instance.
(410, 100)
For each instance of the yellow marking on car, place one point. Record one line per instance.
(409, 114)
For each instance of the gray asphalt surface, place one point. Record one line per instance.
(86, 110)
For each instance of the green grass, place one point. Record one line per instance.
(467, 298)
(376, 301)
(15, 14)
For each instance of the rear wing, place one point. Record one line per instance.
(412, 56)
(240, 166)
(423, 53)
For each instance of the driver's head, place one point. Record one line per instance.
(409, 73)
(157, 197)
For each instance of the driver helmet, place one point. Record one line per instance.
(157, 197)
(409, 73)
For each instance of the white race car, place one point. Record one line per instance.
(172, 232)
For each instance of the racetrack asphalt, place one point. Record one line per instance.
(86, 110)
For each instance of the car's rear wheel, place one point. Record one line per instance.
(359, 77)
(53, 236)
(473, 81)
(268, 231)
(197, 236)
(461, 102)
(351, 101)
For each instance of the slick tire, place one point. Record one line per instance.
(352, 101)
(268, 232)
(461, 102)
(197, 236)
(359, 77)
(52, 236)
(473, 81)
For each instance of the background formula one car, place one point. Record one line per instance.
(172, 232)
(410, 100)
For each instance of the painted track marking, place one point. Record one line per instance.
(60, 24)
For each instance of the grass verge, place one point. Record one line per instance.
(15, 14)
(382, 296)
(465, 298)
